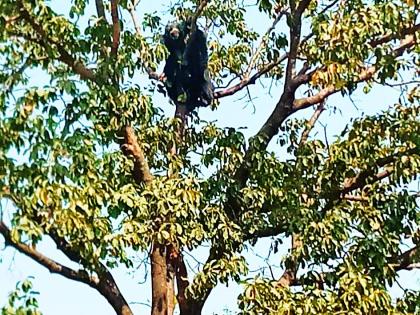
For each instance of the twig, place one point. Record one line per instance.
(311, 123)
(263, 43)
(132, 9)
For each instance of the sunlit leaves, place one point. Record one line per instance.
(22, 301)
(62, 167)
(347, 37)
(217, 271)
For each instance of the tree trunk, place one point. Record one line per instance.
(159, 288)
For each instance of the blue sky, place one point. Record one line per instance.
(61, 296)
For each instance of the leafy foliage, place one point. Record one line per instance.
(22, 301)
(69, 167)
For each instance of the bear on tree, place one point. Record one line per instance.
(185, 74)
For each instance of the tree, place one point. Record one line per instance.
(90, 161)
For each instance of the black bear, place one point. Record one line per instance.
(186, 76)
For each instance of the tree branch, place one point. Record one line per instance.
(100, 9)
(51, 265)
(107, 285)
(311, 123)
(104, 283)
(292, 264)
(408, 260)
(363, 178)
(248, 81)
(283, 108)
(295, 33)
(197, 13)
(115, 27)
(132, 148)
(400, 35)
(367, 74)
(76, 65)
(132, 9)
(355, 198)
(263, 43)
(185, 306)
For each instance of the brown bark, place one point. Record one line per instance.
(159, 280)
(115, 27)
(104, 282)
(108, 288)
(131, 147)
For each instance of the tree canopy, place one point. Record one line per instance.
(89, 160)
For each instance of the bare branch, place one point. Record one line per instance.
(51, 265)
(263, 43)
(311, 123)
(132, 9)
(247, 81)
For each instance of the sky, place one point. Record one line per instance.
(61, 296)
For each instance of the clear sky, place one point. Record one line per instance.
(61, 296)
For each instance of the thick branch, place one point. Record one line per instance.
(283, 108)
(362, 178)
(104, 283)
(186, 306)
(289, 275)
(408, 260)
(197, 13)
(107, 286)
(132, 148)
(159, 280)
(115, 27)
(295, 33)
(355, 198)
(365, 177)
